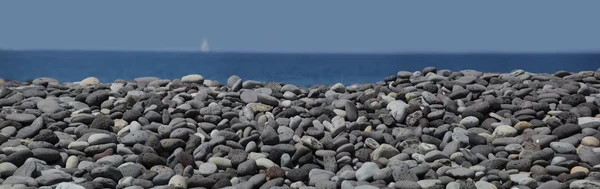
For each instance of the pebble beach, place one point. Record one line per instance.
(429, 129)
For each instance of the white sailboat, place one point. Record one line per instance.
(204, 47)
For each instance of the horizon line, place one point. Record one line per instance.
(302, 52)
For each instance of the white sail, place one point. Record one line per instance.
(204, 47)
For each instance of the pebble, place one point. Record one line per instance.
(99, 138)
(590, 141)
(366, 171)
(406, 184)
(72, 162)
(222, 163)
(469, 121)
(178, 181)
(461, 172)
(504, 131)
(7, 169)
(384, 150)
(562, 147)
(207, 169)
(89, 81)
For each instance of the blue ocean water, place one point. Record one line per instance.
(299, 69)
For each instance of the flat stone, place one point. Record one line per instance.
(48, 105)
(435, 155)
(193, 78)
(590, 141)
(99, 138)
(366, 171)
(551, 185)
(135, 137)
(89, 81)
(469, 121)
(265, 163)
(562, 147)
(504, 131)
(23, 118)
(384, 150)
(406, 184)
(429, 183)
(484, 184)
(69, 185)
(52, 177)
(518, 177)
(222, 163)
(207, 169)
(461, 172)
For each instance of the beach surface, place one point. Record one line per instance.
(432, 128)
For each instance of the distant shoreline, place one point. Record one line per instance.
(307, 52)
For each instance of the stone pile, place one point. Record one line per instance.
(424, 129)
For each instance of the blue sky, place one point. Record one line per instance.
(303, 26)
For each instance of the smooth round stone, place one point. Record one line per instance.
(193, 78)
(522, 125)
(69, 185)
(435, 155)
(85, 164)
(99, 138)
(429, 183)
(135, 137)
(79, 145)
(384, 150)
(469, 121)
(406, 184)
(339, 112)
(461, 172)
(7, 169)
(286, 103)
(483, 184)
(222, 163)
(135, 126)
(366, 171)
(556, 160)
(528, 182)
(178, 181)
(114, 160)
(8, 131)
(265, 163)
(518, 177)
(89, 81)
(513, 148)
(590, 141)
(366, 187)
(23, 118)
(10, 150)
(72, 162)
(452, 185)
(478, 168)
(48, 105)
(579, 169)
(562, 147)
(504, 131)
(207, 169)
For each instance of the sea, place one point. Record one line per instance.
(295, 68)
